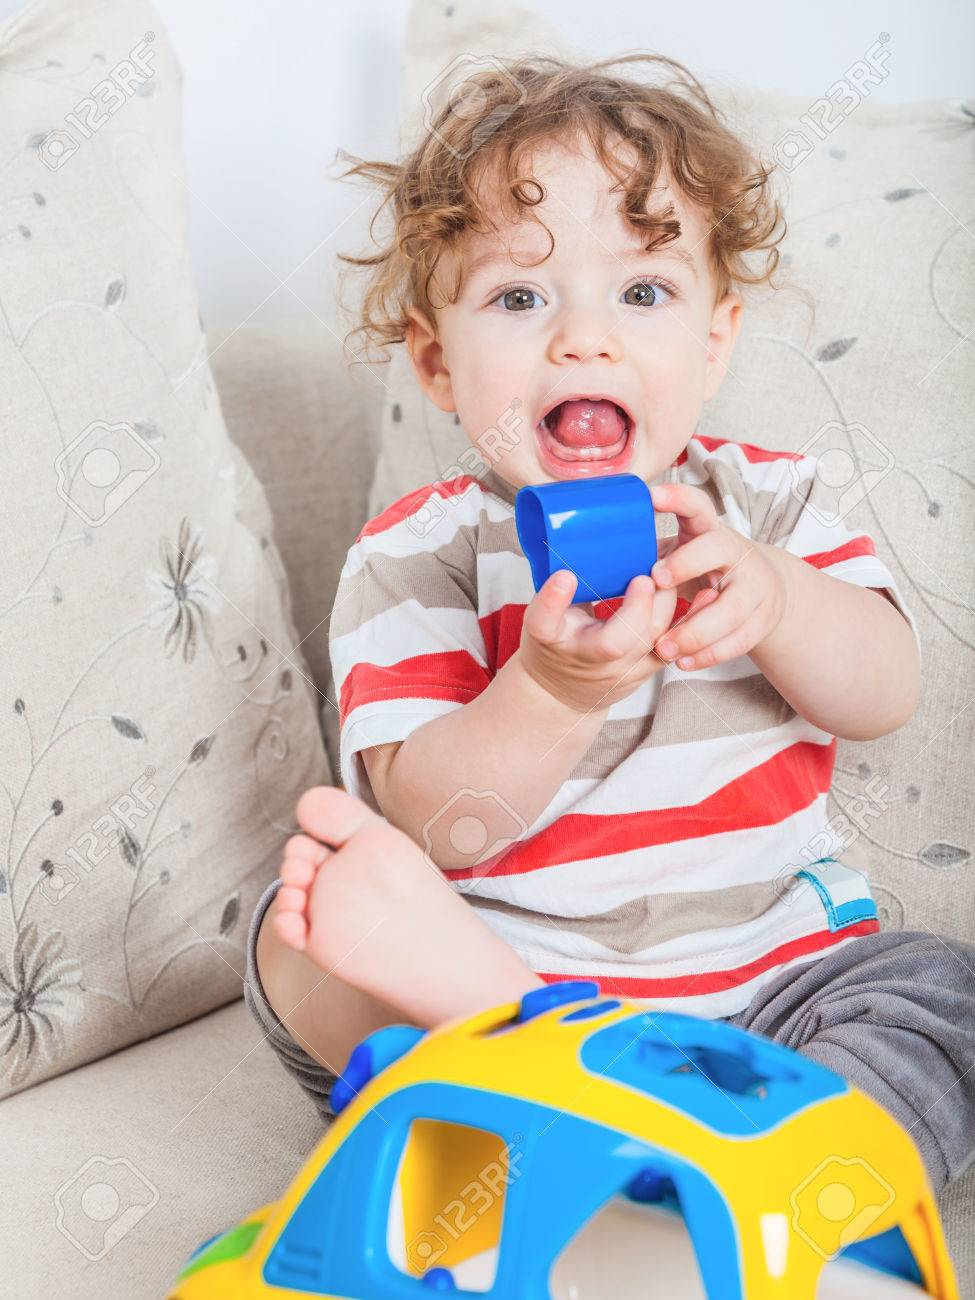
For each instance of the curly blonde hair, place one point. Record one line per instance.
(522, 104)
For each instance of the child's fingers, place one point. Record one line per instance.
(737, 642)
(629, 626)
(664, 607)
(692, 505)
(545, 614)
(714, 550)
(721, 615)
(705, 596)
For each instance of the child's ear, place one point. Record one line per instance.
(725, 324)
(427, 359)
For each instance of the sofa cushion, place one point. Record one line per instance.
(156, 726)
(190, 1131)
(307, 419)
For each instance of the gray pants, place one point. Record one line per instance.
(893, 1013)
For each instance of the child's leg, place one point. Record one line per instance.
(367, 933)
(894, 1014)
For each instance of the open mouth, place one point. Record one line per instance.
(585, 430)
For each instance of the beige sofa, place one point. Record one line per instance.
(205, 1111)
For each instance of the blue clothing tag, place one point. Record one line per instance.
(843, 892)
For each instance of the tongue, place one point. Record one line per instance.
(586, 424)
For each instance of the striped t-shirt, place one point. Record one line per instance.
(666, 867)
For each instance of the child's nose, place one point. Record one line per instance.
(584, 334)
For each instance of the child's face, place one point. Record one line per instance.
(581, 324)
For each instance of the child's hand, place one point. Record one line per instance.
(752, 590)
(586, 662)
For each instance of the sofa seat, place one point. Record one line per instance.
(210, 1125)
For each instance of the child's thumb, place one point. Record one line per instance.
(543, 617)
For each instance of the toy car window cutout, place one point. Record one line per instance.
(734, 1082)
(457, 1185)
(447, 1204)
(632, 1246)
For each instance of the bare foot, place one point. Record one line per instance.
(336, 817)
(360, 899)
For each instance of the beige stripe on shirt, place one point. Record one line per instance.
(653, 919)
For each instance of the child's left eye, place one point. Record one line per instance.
(650, 293)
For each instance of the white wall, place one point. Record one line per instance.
(272, 90)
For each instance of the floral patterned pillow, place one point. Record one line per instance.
(156, 723)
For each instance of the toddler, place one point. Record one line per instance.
(633, 792)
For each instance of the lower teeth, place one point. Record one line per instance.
(588, 453)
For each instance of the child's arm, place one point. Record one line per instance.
(521, 737)
(841, 654)
(514, 739)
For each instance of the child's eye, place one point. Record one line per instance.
(515, 299)
(649, 293)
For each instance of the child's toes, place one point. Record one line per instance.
(291, 899)
(298, 872)
(303, 846)
(333, 815)
(291, 927)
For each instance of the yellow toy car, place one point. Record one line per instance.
(465, 1160)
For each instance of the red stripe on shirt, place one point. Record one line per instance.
(409, 504)
(750, 451)
(764, 796)
(449, 674)
(501, 629)
(690, 985)
(446, 675)
(862, 545)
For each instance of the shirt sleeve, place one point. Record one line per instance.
(792, 506)
(405, 639)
